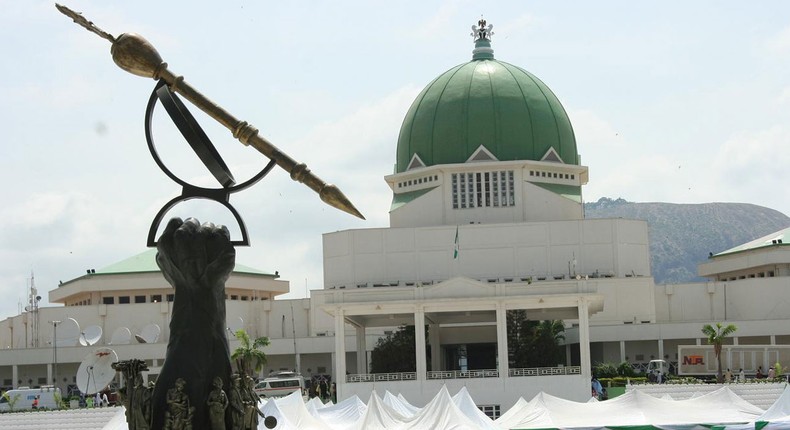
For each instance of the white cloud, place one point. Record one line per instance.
(780, 42)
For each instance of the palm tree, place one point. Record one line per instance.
(716, 336)
(248, 355)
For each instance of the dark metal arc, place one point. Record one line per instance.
(199, 142)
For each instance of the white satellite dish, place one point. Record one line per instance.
(121, 336)
(91, 335)
(149, 334)
(95, 371)
(235, 325)
(68, 333)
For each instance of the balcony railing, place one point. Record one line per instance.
(380, 377)
(546, 371)
(465, 374)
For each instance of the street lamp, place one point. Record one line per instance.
(55, 351)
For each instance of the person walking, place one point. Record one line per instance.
(741, 376)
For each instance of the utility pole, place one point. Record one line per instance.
(55, 352)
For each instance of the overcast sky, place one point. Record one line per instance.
(672, 101)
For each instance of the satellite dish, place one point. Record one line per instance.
(149, 334)
(95, 371)
(68, 333)
(121, 336)
(91, 335)
(235, 325)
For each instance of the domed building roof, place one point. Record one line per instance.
(485, 102)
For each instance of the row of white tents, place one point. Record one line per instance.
(634, 410)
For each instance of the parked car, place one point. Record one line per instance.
(280, 384)
(24, 397)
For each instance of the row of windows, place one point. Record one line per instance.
(156, 298)
(483, 189)
(418, 181)
(768, 274)
(123, 300)
(82, 303)
(554, 175)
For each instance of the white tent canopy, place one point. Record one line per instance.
(633, 409)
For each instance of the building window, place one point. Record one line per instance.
(234, 297)
(108, 300)
(492, 411)
(139, 299)
(483, 189)
(244, 298)
(123, 300)
(156, 298)
(171, 297)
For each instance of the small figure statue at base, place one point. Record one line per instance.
(236, 403)
(250, 399)
(217, 403)
(179, 414)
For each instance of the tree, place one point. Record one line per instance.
(533, 343)
(248, 356)
(395, 352)
(716, 336)
(547, 337)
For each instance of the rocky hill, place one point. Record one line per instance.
(682, 235)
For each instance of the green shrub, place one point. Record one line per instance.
(605, 370)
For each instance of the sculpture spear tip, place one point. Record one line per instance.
(332, 196)
(81, 20)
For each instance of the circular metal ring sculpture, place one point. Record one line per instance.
(207, 153)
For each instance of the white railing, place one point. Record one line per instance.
(377, 377)
(464, 374)
(546, 371)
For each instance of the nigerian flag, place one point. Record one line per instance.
(455, 250)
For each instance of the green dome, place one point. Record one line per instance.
(485, 102)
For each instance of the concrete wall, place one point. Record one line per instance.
(542, 249)
(748, 299)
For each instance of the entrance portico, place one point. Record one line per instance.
(461, 310)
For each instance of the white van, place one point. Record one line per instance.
(280, 384)
(23, 397)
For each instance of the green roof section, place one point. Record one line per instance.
(570, 192)
(146, 262)
(779, 238)
(485, 102)
(401, 199)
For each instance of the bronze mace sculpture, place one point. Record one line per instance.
(131, 52)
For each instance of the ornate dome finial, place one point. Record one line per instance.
(482, 33)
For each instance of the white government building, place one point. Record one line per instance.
(487, 216)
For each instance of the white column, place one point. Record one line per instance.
(419, 341)
(362, 365)
(584, 338)
(49, 373)
(622, 351)
(773, 339)
(340, 349)
(436, 350)
(298, 360)
(660, 349)
(14, 375)
(501, 340)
